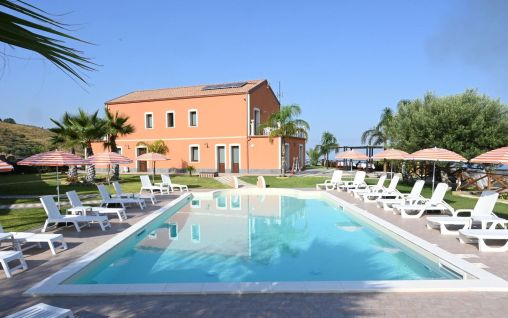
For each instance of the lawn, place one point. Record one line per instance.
(36, 185)
(310, 182)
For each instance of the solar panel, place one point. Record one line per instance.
(223, 86)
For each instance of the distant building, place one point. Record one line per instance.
(210, 127)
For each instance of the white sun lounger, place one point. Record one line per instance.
(261, 182)
(483, 237)
(403, 198)
(332, 183)
(54, 216)
(357, 183)
(379, 186)
(79, 208)
(54, 241)
(121, 194)
(481, 213)
(435, 203)
(146, 185)
(8, 256)
(170, 186)
(42, 310)
(390, 191)
(107, 199)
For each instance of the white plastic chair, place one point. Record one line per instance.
(170, 186)
(54, 216)
(435, 203)
(78, 207)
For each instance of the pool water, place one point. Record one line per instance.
(257, 238)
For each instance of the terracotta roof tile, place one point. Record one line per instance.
(182, 92)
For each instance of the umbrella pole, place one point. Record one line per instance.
(391, 169)
(153, 172)
(433, 176)
(57, 188)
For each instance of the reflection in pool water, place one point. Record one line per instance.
(246, 238)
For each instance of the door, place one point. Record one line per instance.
(235, 159)
(142, 164)
(221, 159)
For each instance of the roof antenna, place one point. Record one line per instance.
(280, 94)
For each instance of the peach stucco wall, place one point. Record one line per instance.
(222, 121)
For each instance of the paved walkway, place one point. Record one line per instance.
(467, 304)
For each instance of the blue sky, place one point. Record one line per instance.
(342, 61)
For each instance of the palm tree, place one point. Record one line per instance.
(313, 154)
(328, 143)
(31, 29)
(158, 146)
(380, 134)
(65, 137)
(283, 124)
(88, 128)
(116, 125)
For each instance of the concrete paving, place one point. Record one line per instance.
(468, 304)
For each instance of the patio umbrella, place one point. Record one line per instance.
(496, 156)
(54, 159)
(436, 155)
(153, 157)
(108, 159)
(391, 154)
(4, 166)
(351, 155)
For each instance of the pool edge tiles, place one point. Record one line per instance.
(482, 281)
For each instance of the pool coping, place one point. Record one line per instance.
(484, 281)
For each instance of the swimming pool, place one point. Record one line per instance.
(262, 240)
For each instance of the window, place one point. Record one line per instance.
(195, 233)
(194, 153)
(119, 150)
(193, 118)
(148, 120)
(257, 121)
(170, 119)
(173, 231)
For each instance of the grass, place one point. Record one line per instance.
(37, 185)
(456, 202)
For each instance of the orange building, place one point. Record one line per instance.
(209, 127)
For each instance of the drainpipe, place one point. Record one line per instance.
(248, 133)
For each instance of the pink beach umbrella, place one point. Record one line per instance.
(351, 155)
(107, 159)
(5, 167)
(496, 156)
(54, 159)
(436, 155)
(153, 157)
(391, 154)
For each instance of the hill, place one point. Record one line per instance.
(23, 140)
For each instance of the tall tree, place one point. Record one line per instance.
(116, 125)
(284, 124)
(381, 134)
(328, 143)
(67, 138)
(467, 123)
(30, 28)
(88, 128)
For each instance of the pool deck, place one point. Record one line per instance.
(42, 264)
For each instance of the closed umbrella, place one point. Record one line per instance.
(5, 167)
(436, 155)
(351, 155)
(153, 157)
(108, 159)
(54, 159)
(391, 154)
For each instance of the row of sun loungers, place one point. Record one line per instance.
(79, 216)
(478, 225)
